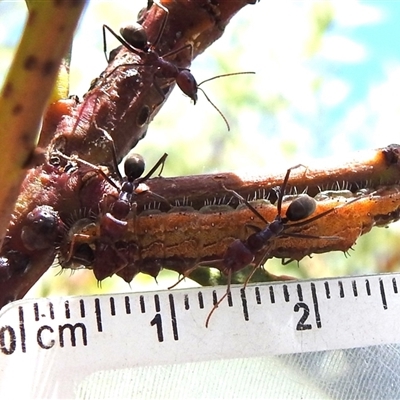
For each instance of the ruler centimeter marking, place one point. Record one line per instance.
(284, 287)
(76, 323)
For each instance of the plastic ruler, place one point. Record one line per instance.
(57, 343)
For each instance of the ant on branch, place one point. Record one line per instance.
(241, 253)
(99, 243)
(134, 38)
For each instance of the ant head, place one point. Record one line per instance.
(186, 82)
(134, 166)
(135, 35)
(301, 208)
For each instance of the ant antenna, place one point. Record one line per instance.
(225, 75)
(218, 110)
(134, 38)
(209, 100)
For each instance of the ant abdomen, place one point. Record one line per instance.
(301, 208)
(135, 35)
(134, 166)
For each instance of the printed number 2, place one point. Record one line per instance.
(301, 326)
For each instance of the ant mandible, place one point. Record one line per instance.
(241, 253)
(134, 38)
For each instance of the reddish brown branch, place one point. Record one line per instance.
(121, 101)
(370, 168)
(124, 99)
(201, 231)
(180, 240)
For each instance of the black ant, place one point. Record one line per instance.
(241, 253)
(107, 231)
(134, 38)
(134, 166)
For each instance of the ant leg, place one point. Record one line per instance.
(283, 186)
(181, 279)
(82, 236)
(305, 236)
(157, 87)
(209, 263)
(113, 150)
(105, 44)
(160, 162)
(82, 115)
(121, 40)
(177, 282)
(155, 84)
(173, 52)
(185, 275)
(88, 164)
(250, 275)
(138, 181)
(285, 261)
(216, 305)
(163, 24)
(257, 264)
(271, 277)
(242, 199)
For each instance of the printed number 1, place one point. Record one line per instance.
(157, 321)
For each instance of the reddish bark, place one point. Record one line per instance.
(122, 102)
